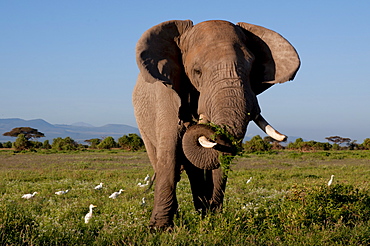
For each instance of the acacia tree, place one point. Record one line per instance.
(94, 142)
(338, 140)
(28, 132)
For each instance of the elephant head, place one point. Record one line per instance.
(217, 69)
(193, 80)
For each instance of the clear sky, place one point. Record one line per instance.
(74, 61)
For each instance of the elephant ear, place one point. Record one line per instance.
(157, 54)
(276, 60)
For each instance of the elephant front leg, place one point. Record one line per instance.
(165, 201)
(219, 186)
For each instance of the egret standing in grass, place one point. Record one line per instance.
(88, 216)
(331, 180)
(62, 192)
(29, 196)
(143, 202)
(249, 180)
(115, 194)
(143, 185)
(99, 186)
(147, 178)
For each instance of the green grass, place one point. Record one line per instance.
(286, 203)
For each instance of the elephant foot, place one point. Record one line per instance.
(161, 226)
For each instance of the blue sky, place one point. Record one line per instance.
(74, 61)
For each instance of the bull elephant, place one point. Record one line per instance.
(192, 76)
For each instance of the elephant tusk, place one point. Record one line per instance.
(268, 129)
(202, 119)
(206, 143)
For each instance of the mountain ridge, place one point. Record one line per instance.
(79, 132)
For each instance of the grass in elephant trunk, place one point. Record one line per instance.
(225, 158)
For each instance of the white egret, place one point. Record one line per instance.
(29, 196)
(61, 192)
(143, 202)
(88, 216)
(143, 185)
(331, 180)
(115, 194)
(249, 180)
(99, 186)
(147, 178)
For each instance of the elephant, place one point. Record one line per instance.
(192, 78)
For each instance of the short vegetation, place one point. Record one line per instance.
(287, 200)
(277, 194)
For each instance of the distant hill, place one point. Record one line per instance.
(81, 131)
(78, 131)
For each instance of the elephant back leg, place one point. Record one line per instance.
(208, 187)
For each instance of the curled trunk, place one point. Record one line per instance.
(205, 157)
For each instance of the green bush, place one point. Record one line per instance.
(131, 142)
(64, 144)
(332, 206)
(94, 142)
(46, 145)
(256, 144)
(365, 144)
(21, 143)
(8, 144)
(299, 144)
(107, 143)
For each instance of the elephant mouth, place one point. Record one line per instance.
(202, 146)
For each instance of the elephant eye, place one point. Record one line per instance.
(198, 72)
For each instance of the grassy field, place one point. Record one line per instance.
(287, 202)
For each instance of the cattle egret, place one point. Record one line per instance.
(249, 180)
(331, 180)
(88, 216)
(62, 192)
(115, 194)
(29, 196)
(99, 186)
(143, 203)
(147, 178)
(143, 185)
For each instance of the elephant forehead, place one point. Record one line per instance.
(214, 31)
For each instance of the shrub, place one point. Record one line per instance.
(64, 144)
(94, 142)
(299, 144)
(131, 142)
(107, 143)
(8, 144)
(256, 144)
(365, 144)
(331, 206)
(46, 145)
(21, 143)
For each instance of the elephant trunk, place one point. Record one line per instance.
(228, 108)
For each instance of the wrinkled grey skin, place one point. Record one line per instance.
(214, 69)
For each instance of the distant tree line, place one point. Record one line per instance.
(258, 144)
(25, 140)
